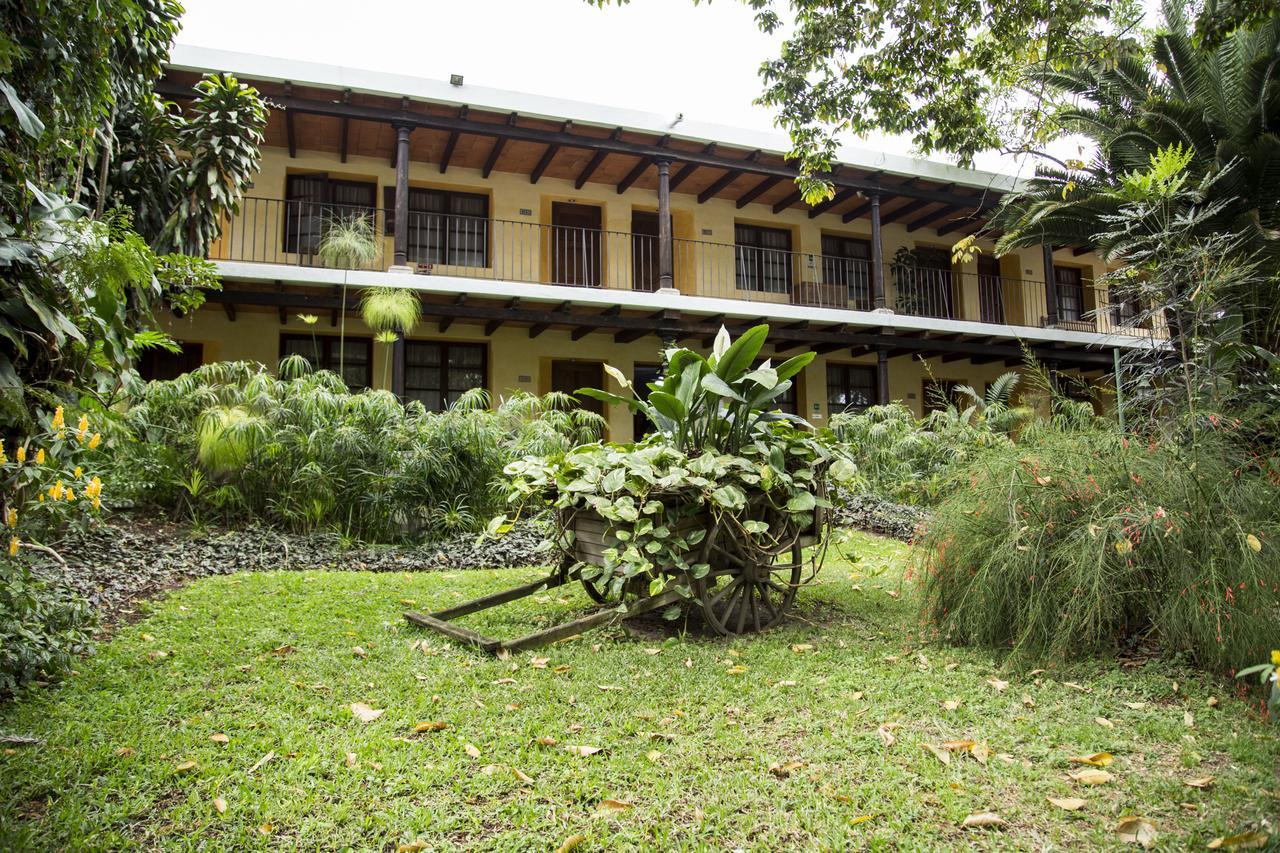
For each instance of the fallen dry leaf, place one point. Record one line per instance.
(653, 755)
(1135, 706)
(1189, 719)
(938, 752)
(801, 648)
(351, 759)
(1104, 722)
(862, 818)
(359, 652)
(430, 726)
(1075, 686)
(266, 829)
(539, 663)
(653, 651)
(571, 843)
(261, 761)
(999, 685)
(784, 770)
(1091, 777)
(886, 734)
(980, 752)
(609, 806)
(1212, 701)
(578, 749)
(1202, 782)
(124, 752)
(1071, 804)
(185, 767)
(1098, 759)
(736, 670)
(364, 713)
(219, 805)
(951, 704)
(219, 738)
(471, 750)
(1136, 830)
(281, 651)
(1252, 840)
(982, 819)
(411, 847)
(954, 745)
(547, 741)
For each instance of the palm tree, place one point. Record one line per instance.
(347, 242)
(1221, 104)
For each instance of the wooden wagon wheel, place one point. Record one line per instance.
(749, 587)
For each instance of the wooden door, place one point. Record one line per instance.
(569, 376)
(575, 244)
(990, 290)
(644, 251)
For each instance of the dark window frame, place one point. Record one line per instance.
(641, 426)
(868, 389)
(448, 395)
(450, 225)
(297, 210)
(328, 346)
(750, 254)
(1073, 288)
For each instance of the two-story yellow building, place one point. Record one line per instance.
(546, 237)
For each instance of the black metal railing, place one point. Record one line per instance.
(290, 232)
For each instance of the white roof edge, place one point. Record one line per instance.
(187, 57)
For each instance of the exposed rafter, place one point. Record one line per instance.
(452, 143)
(634, 174)
(595, 161)
(758, 190)
(929, 218)
(346, 129)
(835, 201)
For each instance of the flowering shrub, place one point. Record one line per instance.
(1082, 542)
(46, 483)
(1267, 674)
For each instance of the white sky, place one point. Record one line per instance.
(663, 56)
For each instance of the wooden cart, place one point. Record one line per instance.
(750, 586)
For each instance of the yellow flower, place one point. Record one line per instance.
(82, 428)
(11, 517)
(42, 497)
(95, 441)
(1254, 543)
(58, 421)
(1124, 546)
(13, 546)
(22, 455)
(1275, 657)
(71, 495)
(79, 472)
(40, 456)
(97, 503)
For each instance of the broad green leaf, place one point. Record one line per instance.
(716, 385)
(792, 366)
(802, 502)
(742, 353)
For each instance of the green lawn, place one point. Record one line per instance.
(772, 742)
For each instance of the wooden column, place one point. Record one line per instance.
(882, 376)
(877, 256)
(402, 197)
(1050, 289)
(665, 277)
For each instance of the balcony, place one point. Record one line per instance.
(275, 231)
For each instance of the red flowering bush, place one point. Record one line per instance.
(1080, 543)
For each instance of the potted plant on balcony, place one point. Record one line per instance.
(718, 504)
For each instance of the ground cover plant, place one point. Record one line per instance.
(225, 721)
(231, 441)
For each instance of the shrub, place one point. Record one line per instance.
(1077, 542)
(46, 485)
(229, 440)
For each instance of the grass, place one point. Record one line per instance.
(687, 743)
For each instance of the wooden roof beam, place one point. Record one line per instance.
(928, 218)
(727, 178)
(595, 161)
(290, 137)
(452, 143)
(634, 175)
(429, 121)
(835, 201)
(758, 190)
(549, 155)
(496, 151)
(346, 129)
(790, 199)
